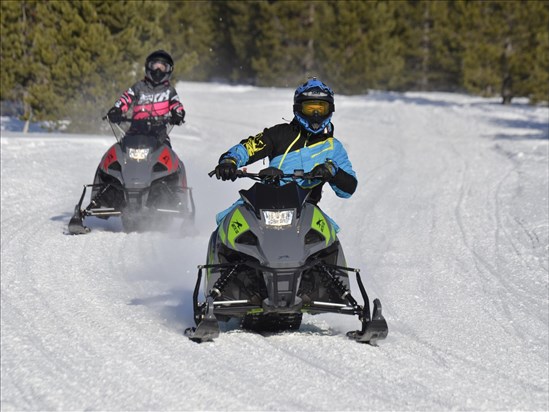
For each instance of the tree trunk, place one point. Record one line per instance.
(507, 80)
(425, 48)
(309, 58)
(28, 117)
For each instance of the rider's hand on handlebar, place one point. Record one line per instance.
(226, 169)
(115, 115)
(178, 117)
(325, 171)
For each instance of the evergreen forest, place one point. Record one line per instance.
(70, 60)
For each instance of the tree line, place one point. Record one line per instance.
(70, 59)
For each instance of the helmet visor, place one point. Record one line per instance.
(315, 108)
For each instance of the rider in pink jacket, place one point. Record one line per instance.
(151, 97)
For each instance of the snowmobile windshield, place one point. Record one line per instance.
(271, 197)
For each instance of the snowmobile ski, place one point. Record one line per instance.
(208, 328)
(372, 330)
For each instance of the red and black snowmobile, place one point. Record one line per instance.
(140, 179)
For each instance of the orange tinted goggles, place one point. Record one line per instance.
(315, 107)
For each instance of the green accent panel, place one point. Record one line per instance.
(253, 311)
(321, 225)
(222, 233)
(211, 258)
(237, 226)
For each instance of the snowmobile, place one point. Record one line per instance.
(140, 179)
(273, 257)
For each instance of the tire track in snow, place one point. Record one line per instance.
(508, 291)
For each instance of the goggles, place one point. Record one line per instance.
(161, 65)
(315, 108)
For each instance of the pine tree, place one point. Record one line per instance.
(285, 43)
(342, 49)
(12, 49)
(189, 35)
(360, 49)
(445, 72)
(505, 49)
(77, 50)
(384, 63)
(432, 47)
(526, 58)
(26, 77)
(237, 27)
(75, 57)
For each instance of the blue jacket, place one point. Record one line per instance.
(290, 147)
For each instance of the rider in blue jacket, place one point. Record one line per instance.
(306, 143)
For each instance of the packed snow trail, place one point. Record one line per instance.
(449, 225)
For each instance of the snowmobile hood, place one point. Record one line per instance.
(287, 246)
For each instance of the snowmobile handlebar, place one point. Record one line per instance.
(153, 119)
(272, 174)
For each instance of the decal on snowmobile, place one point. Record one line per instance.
(321, 225)
(237, 226)
(110, 158)
(166, 159)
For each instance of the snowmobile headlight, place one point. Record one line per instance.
(278, 218)
(138, 154)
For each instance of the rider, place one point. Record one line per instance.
(306, 143)
(151, 97)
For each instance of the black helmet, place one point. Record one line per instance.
(314, 105)
(159, 66)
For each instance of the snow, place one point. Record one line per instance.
(449, 225)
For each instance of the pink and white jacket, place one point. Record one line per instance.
(149, 100)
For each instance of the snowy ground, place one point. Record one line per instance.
(449, 225)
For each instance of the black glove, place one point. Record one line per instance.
(226, 169)
(325, 172)
(178, 117)
(115, 115)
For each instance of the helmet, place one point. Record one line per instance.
(159, 66)
(314, 105)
